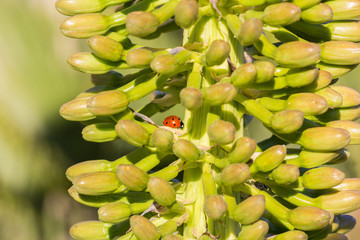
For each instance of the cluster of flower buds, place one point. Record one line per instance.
(274, 60)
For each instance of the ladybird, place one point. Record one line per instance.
(173, 121)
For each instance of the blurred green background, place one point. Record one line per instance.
(36, 144)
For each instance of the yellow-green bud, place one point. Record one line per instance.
(340, 53)
(339, 202)
(270, 158)
(162, 139)
(139, 57)
(168, 228)
(350, 96)
(322, 178)
(172, 237)
(308, 103)
(215, 206)
(162, 192)
(108, 103)
(186, 150)
(70, 7)
(287, 121)
(333, 98)
(186, 13)
(344, 9)
(221, 132)
(309, 218)
(324, 139)
(264, 71)
(114, 212)
(285, 174)
(293, 235)
(132, 132)
(250, 31)
(320, 13)
(346, 223)
(217, 52)
(96, 183)
(344, 30)
(304, 4)
(191, 98)
(165, 64)
(255, 231)
(99, 132)
(244, 76)
(300, 77)
(281, 14)
(106, 48)
(132, 177)
(348, 184)
(324, 79)
(76, 110)
(249, 210)
(352, 127)
(89, 63)
(336, 71)
(252, 3)
(310, 159)
(141, 24)
(87, 167)
(144, 229)
(89, 230)
(219, 93)
(335, 236)
(234, 174)
(242, 150)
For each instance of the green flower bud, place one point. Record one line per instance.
(348, 184)
(139, 57)
(285, 174)
(340, 53)
(217, 52)
(168, 228)
(221, 132)
(108, 103)
(89, 63)
(143, 229)
(215, 206)
(339, 202)
(87, 167)
(270, 158)
(234, 174)
(293, 235)
(344, 9)
(132, 177)
(85, 25)
(99, 132)
(165, 64)
(219, 93)
(324, 79)
(172, 237)
(252, 3)
(320, 13)
(350, 96)
(186, 13)
(308, 103)
(333, 98)
(351, 113)
(297, 54)
(132, 132)
(162, 192)
(309, 218)
(346, 223)
(106, 48)
(76, 110)
(70, 7)
(242, 150)
(281, 14)
(186, 150)
(250, 31)
(300, 77)
(324, 139)
(249, 210)
(287, 121)
(322, 178)
(255, 231)
(310, 159)
(191, 98)
(141, 23)
(335, 236)
(162, 139)
(244, 76)
(336, 71)
(344, 30)
(352, 127)
(114, 212)
(89, 230)
(96, 183)
(264, 71)
(304, 4)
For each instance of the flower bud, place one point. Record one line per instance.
(165, 64)
(340, 53)
(324, 139)
(344, 30)
(219, 93)
(335, 236)
(89, 63)
(293, 235)
(351, 114)
(340, 202)
(76, 110)
(320, 13)
(350, 96)
(107, 103)
(264, 71)
(310, 159)
(250, 210)
(96, 183)
(255, 231)
(346, 223)
(250, 31)
(87, 167)
(89, 230)
(221, 132)
(163, 139)
(168, 228)
(287, 121)
(172, 237)
(352, 127)
(132, 132)
(304, 4)
(114, 212)
(281, 14)
(215, 206)
(285, 174)
(186, 13)
(308, 103)
(322, 178)
(333, 98)
(139, 57)
(191, 98)
(99, 132)
(244, 76)
(162, 192)
(132, 177)
(70, 7)
(297, 54)
(141, 24)
(309, 218)
(300, 77)
(106, 48)
(324, 79)
(143, 228)
(186, 150)
(270, 158)
(252, 3)
(217, 52)
(336, 71)
(348, 184)
(234, 174)
(343, 10)
(242, 150)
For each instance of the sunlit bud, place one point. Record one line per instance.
(107, 103)
(310, 159)
(350, 96)
(264, 71)
(324, 79)
(249, 210)
(219, 93)
(309, 218)
(340, 202)
(217, 52)
(308, 103)
(344, 30)
(215, 206)
(322, 178)
(191, 98)
(304, 4)
(287, 121)
(320, 13)
(242, 150)
(300, 77)
(340, 52)
(87, 167)
(250, 31)
(352, 127)
(139, 57)
(344, 9)
(164, 64)
(143, 229)
(346, 223)
(333, 98)
(76, 110)
(255, 231)
(132, 132)
(186, 150)
(141, 23)
(96, 183)
(106, 48)
(186, 13)
(168, 228)
(162, 139)
(285, 174)
(251, 3)
(114, 212)
(244, 76)
(132, 177)
(348, 184)
(234, 174)
(162, 192)
(70, 7)
(89, 230)
(293, 235)
(221, 132)
(99, 132)
(270, 158)
(281, 14)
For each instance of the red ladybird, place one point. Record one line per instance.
(173, 121)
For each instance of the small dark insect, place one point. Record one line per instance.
(173, 121)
